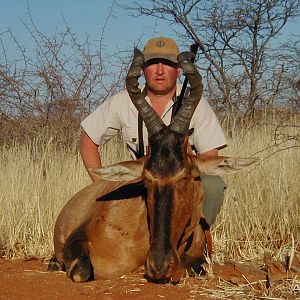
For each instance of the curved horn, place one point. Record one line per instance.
(181, 121)
(152, 121)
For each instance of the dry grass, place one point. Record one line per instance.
(36, 180)
(262, 204)
(260, 213)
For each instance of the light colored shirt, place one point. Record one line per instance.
(119, 114)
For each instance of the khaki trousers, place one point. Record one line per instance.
(213, 187)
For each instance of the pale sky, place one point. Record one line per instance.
(85, 17)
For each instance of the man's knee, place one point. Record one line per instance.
(213, 187)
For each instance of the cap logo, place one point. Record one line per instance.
(160, 44)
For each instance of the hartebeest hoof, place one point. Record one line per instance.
(80, 269)
(54, 265)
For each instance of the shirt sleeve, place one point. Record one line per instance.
(103, 123)
(208, 133)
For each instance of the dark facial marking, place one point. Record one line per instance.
(163, 212)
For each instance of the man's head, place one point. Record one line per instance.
(161, 65)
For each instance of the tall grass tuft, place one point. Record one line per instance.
(262, 203)
(260, 212)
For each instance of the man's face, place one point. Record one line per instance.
(161, 75)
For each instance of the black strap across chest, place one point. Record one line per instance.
(140, 151)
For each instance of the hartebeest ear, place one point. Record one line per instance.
(124, 171)
(221, 164)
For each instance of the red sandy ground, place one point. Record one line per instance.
(30, 280)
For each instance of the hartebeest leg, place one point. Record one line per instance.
(193, 256)
(76, 256)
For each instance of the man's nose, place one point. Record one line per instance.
(160, 68)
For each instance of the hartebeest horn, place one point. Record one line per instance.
(182, 119)
(152, 121)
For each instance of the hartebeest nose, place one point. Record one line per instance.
(161, 266)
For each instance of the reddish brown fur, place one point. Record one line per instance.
(118, 237)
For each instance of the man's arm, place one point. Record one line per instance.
(89, 154)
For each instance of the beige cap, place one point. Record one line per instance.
(161, 47)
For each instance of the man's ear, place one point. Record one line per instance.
(179, 72)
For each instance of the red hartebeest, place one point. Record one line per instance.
(148, 210)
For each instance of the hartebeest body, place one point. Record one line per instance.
(145, 211)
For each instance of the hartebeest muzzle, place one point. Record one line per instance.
(164, 267)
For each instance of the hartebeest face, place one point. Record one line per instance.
(167, 172)
(173, 196)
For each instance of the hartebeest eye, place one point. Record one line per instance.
(182, 174)
(149, 176)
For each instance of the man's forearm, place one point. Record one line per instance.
(90, 155)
